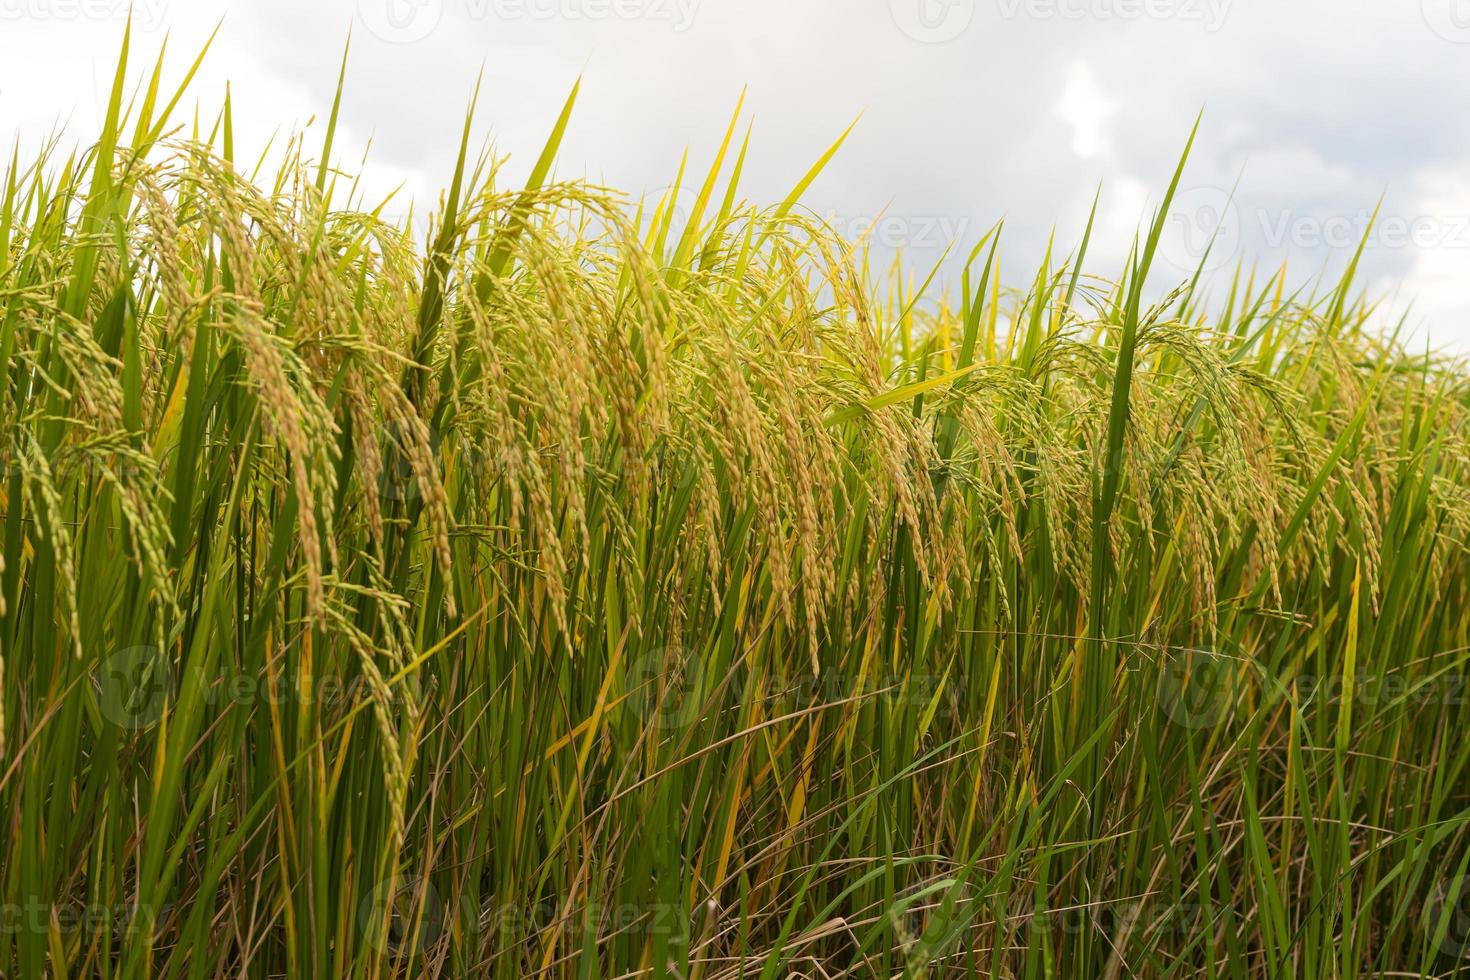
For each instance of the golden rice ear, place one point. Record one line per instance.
(692, 572)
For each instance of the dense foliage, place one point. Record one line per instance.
(590, 591)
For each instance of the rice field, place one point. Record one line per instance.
(589, 589)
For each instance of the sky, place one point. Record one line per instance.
(968, 112)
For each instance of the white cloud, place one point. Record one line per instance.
(1085, 109)
(1437, 235)
(1319, 106)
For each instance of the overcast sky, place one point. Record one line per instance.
(971, 110)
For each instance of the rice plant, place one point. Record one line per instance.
(587, 589)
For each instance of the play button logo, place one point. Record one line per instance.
(933, 21)
(1450, 19)
(400, 21)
